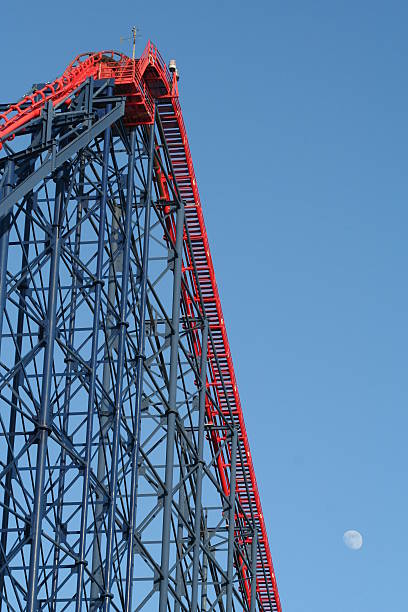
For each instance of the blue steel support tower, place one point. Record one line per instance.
(125, 478)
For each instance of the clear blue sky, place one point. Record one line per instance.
(297, 118)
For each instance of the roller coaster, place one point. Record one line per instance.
(126, 478)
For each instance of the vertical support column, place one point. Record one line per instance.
(104, 421)
(139, 377)
(93, 365)
(43, 421)
(172, 412)
(4, 244)
(105, 409)
(204, 568)
(69, 375)
(122, 324)
(199, 482)
(254, 551)
(180, 531)
(231, 519)
(17, 381)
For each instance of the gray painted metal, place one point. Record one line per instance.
(231, 520)
(172, 410)
(199, 486)
(254, 556)
(42, 428)
(93, 365)
(6, 189)
(140, 357)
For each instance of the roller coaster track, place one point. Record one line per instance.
(150, 94)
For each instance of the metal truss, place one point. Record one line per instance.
(114, 441)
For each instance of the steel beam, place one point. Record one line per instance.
(140, 357)
(5, 222)
(98, 282)
(17, 380)
(231, 520)
(43, 421)
(200, 461)
(254, 557)
(122, 325)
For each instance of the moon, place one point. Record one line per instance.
(353, 539)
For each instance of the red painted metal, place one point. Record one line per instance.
(144, 81)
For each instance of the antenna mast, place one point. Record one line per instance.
(134, 34)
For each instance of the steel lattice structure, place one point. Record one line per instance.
(126, 480)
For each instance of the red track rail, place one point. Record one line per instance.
(142, 82)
